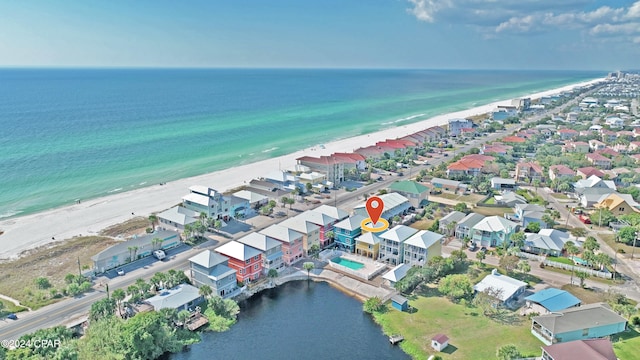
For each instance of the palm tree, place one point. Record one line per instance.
(564, 187)
(170, 315)
(451, 227)
(480, 255)
(183, 316)
(547, 219)
(591, 244)
(188, 231)
(206, 291)
(156, 243)
(133, 252)
(603, 260)
(582, 276)
(153, 219)
(158, 279)
(118, 295)
(308, 266)
(536, 184)
(571, 249)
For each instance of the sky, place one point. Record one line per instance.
(434, 34)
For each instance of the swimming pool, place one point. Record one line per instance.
(354, 265)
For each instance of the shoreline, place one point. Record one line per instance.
(89, 217)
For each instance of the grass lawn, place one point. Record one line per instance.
(490, 201)
(449, 196)
(472, 335)
(422, 224)
(10, 307)
(17, 278)
(490, 211)
(610, 239)
(587, 296)
(594, 278)
(562, 260)
(626, 344)
(560, 196)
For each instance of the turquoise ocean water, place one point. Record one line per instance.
(82, 133)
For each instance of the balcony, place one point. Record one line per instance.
(541, 333)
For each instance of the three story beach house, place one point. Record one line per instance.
(368, 245)
(346, 232)
(310, 231)
(291, 242)
(271, 250)
(246, 260)
(493, 231)
(392, 244)
(211, 269)
(421, 247)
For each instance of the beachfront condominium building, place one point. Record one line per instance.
(291, 242)
(211, 269)
(203, 199)
(245, 260)
(456, 126)
(332, 167)
(271, 250)
(392, 244)
(421, 247)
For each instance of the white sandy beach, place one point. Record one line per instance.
(89, 217)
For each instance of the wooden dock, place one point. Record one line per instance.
(196, 321)
(394, 339)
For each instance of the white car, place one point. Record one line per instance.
(121, 272)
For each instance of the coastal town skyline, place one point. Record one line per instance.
(454, 34)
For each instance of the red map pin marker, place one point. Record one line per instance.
(374, 208)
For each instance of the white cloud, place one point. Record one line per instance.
(527, 16)
(634, 11)
(426, 10)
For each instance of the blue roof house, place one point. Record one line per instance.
(550, 300)
(346, 231)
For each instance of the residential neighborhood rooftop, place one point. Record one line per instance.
(397, 273)
(591, 349)
(208, 259)
(174, 298)
(423, 239)
(579, 318)
(503, 283)
(237, 250)
(554, 299)
(282, 233)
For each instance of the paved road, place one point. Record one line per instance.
(70, 309)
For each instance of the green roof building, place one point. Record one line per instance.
(414, 191)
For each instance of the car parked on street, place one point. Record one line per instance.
(121, 272)
(12, 316)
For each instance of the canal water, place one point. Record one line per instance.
(298, 320)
